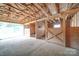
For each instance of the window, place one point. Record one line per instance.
(57, 24)
(8, 30)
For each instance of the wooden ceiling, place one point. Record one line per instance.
(26, 12)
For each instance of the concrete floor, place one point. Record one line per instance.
(75, 42)
(23, 46)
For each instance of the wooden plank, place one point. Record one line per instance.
(46, 29)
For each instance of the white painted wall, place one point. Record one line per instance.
(75, 20)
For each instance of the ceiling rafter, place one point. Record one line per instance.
(57, 7)
(42, 10)
(25, 13)
(9, 11)
(70, 11)
(35, 11)
(31, 9)
(18, 6)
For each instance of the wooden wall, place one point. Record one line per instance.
(32, 29)
(75, 37)
(75, 32)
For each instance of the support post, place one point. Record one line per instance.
(36, 29)
(46, 29)
(66, 31)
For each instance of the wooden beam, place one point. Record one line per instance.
(33, 10)
(12, 11)
(69, 12)
(36, 30)
(25, 13)
(39, 7)
(10, 21)
(15, 8)
(30, 9)
(18, 6)
(63, 26)
(55, 34)
(46, 29)
(68, 33)
(53, 17)
(35, 21)
(57, 7)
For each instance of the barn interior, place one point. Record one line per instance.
(39, 29)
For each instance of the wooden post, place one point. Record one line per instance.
(46, 29)
(63, 26)
(36, 29)
(66, 31)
